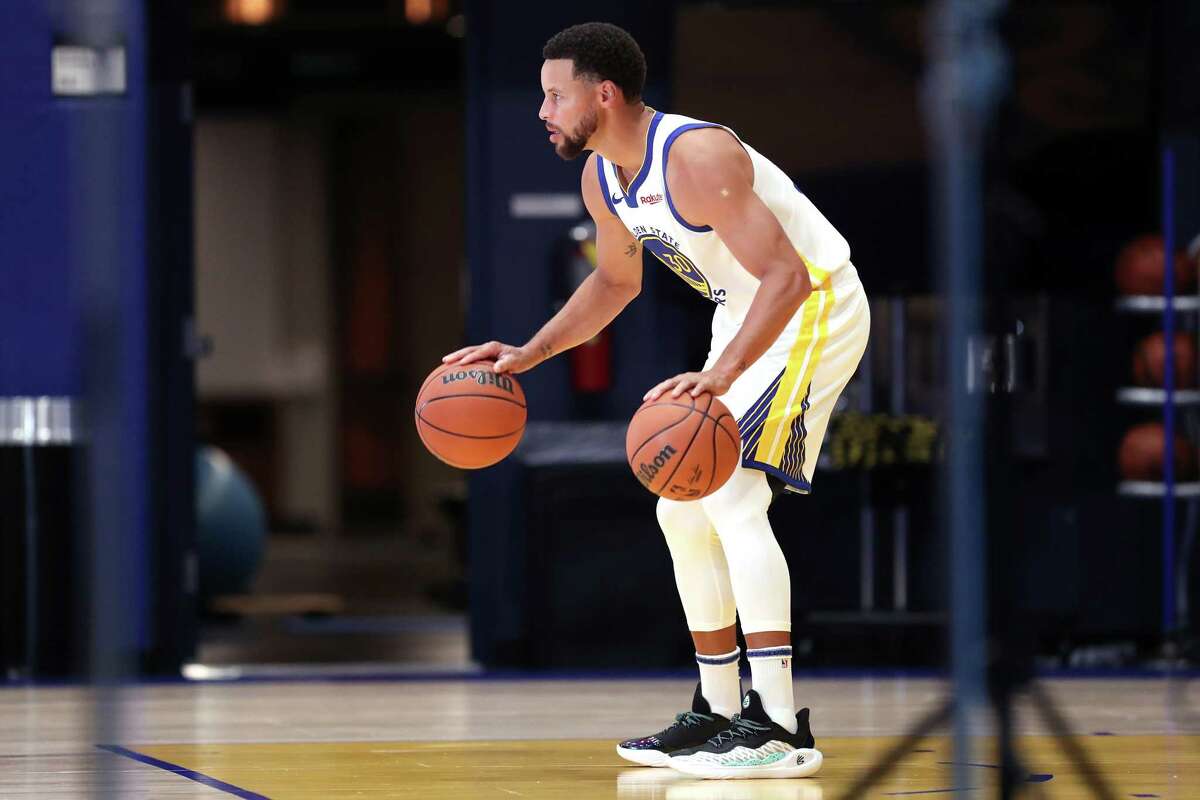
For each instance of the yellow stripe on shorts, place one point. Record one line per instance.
(802, 363)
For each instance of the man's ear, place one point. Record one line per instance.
(609, 93)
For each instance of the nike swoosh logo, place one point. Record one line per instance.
(616, 198)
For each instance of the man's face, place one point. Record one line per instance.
(570, 108)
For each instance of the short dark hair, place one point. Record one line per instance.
(601, 52)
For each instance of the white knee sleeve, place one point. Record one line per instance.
(700, 569)
(757, 568)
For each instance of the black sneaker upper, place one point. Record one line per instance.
(753, 728)
(689, 729)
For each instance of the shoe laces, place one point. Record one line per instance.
(690, 719)
(739, 728)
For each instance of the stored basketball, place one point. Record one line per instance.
(683, 448)
(1150, 358)
(469, 416)
(1141, 265)
(1141, 454)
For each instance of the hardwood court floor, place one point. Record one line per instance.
(545, 739)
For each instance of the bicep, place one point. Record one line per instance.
(754, 235)
(618, 254)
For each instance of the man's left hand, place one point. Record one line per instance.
(712, 381)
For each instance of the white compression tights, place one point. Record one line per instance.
(726, 558)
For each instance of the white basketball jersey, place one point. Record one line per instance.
(696, 253)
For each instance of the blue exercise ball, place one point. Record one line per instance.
(231, 526)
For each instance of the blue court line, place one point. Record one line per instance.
(183, 772)
(930, 791)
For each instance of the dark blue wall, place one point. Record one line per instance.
(38, 345)
(73, 278)
(514, 265)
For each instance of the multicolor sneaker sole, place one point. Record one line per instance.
(774, 760)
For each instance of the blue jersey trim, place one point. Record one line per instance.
(666, 152)
(762, 402)
(604, 185)
(798, 485)
(647, 161)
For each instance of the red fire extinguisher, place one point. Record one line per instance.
(591, 362)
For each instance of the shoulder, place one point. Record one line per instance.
(701, 156)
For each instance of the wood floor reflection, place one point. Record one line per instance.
(546, 739)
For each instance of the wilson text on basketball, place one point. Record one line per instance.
(646, 472)
(483, 377)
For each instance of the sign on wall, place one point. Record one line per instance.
(77, 71)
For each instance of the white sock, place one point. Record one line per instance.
(720, 682)
(771, 672)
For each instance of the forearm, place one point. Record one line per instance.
(592, 306)
(779, 295)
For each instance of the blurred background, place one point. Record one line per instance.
(238, 234)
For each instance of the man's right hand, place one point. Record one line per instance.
(507, 358)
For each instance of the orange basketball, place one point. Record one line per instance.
(1150, 359)
(469, 416)
(683, 448)
(1141, 265)
(1141, 454)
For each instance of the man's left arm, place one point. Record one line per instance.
(712, 183)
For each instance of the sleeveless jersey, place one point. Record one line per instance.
(694, 252)
(784, 400)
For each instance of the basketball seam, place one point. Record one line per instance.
(732, 439)
(468, 435)
(661, 431)
(451, 462)
(695, 433)
(698, 411)
(469, 394)
(712, 473)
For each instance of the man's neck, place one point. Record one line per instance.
(624, 141)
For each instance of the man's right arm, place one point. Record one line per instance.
(616, 280)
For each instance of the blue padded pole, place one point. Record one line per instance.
(966, 75)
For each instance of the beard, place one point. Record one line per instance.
(573, 144)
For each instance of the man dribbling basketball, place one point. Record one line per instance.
(789, 328)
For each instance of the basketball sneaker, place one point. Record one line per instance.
(690, 729)
(753, 746)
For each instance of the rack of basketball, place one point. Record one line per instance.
(1140, 271)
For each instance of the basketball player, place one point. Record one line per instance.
(789, 328)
